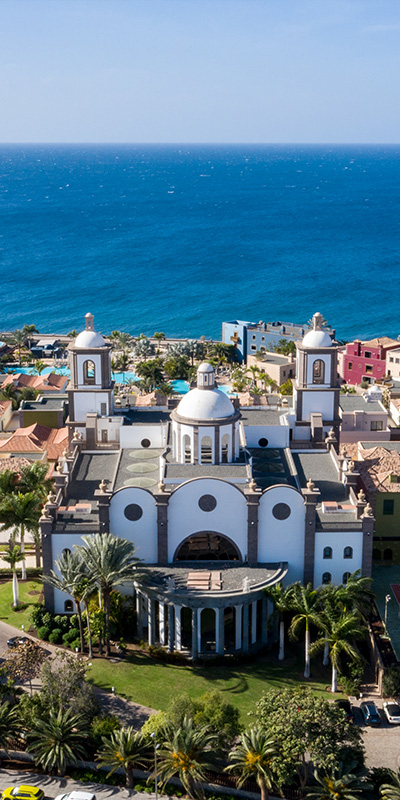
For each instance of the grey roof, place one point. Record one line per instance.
(140, 468)
(229, 472)
(321, 469)
(355, 402)
(270, 466)
(343, 522)
(275, 358)
(90, 470)
(260, 415)
(232, 575)
(145, 416)
(45, 404)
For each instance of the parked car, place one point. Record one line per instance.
(392, 711)
(76, 796)
(15, 641)
(23, 792)
(345, 705)
(370, 713)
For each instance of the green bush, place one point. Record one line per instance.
(76, 643)
(103, 726)
(391, 682)
(48, 620)
(55, 636)
(70, 636)
(43, 632)
(62, 622)
(37, 616)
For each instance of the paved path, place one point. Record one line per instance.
(54, 786)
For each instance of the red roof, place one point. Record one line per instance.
(41, 383)
(37, 439)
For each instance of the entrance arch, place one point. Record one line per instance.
(207, 546)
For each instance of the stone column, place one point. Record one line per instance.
(195, 643)
(219, 631)
(352, 478)
(151, 621)
(139, 617)
(254, 622)
(311, 498)
(161, 623)
(46, 525)
(253, 499)
(103, 502)
(162, 526)
(170, 628)
(178, 628)
(264, 620)
(238, 627)
(199, 610)
(246, 628)
(368, 526)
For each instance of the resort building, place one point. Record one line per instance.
(364, 417)
(36, 442)
(365, 361)
(277, 367)
(6, 413)
(248, 337)
(220, 502)
(50, 382)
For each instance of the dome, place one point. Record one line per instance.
(205, 367)
(200, 405)
(317, 338)
(89, 339)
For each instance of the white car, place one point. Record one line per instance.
(392, 711)
(76, 796)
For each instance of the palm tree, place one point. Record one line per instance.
(282, 599)
(391, 791)
(12, 556)
(336, 787)
(8, 481)
(152, 371)
(125, 748)
(28, 330)
(33, 479)
(305, 602)
(39, 367)
(21, 512)
(339, 636)
(72, 574)
(255, 372)
(9, 392)
(159, 336)
(356, 595)
(18, 339)
(186, 752)
(165, 388)
(58, 740)
(252, 758)
(110, 562)
(9, 724)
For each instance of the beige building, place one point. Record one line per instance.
(279, 368)
(393, 363)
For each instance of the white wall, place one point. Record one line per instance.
(142, 532)
(319, 402)
(90, 401)
(132, 435)
(336, 565)
(282, 540)
(112, 425)
(185, 517)
(277, 435)
(310, 362)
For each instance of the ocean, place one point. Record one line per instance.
(178, 238)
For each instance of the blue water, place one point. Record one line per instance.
(180, 238)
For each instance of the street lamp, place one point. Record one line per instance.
(387, 600)
(156, 747)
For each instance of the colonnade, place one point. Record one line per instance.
(167, 629)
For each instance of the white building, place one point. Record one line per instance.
(220, 503)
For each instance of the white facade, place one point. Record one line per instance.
(343, 555)
(282, 539)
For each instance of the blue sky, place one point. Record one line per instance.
(200, 71)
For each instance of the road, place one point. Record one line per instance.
(54, 786)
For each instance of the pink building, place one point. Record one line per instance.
(365, 361)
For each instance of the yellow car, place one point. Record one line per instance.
(23, 792)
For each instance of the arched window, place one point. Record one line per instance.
(376, 554)
(318, 371)
(387, 554)
(89, 373)
(327, 577)
(187, 450)
(348, 552)
(206, 450)
(346, 576)
(68, 605)
(327, 552)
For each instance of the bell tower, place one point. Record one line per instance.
(316, 390)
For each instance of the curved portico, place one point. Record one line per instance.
(194, 606)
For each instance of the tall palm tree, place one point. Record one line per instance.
(305, 604)
(9, 392)
(159, 336)
(39, 367)
(9, 724)
(252, 758)
(28, 330)
(356, 595)
(8, 481)
(186, 752)
(33, 479)
(21, 512)
(336, 786)
(282, 599)
(391, 791)
(125, 748)
(12, 556)
(255, 372)
(339, 636)
(110, 562)
(58, 740)
(70, 580)
(18, 339)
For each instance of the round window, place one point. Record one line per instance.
(281, 511)
(207, 502)
(145, 442)
(133, 512)
(263, 442)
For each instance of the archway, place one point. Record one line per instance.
(187, 449)
(207, 546)
(207, 630)
(89, 373)
(225, 449)
(206, 450)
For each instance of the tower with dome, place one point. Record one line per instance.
(220, 503)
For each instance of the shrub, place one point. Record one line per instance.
(70, 636)
(62, 622)
(103, 726)
(391, 682)
(48, 620)
(43, 632)
(37, 616)
(76, 643)
(55, 636)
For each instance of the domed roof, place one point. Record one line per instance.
(205, 367)
(88, 339)
(317, 338)
(200, 405)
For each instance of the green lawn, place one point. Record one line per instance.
(153, 683)
(27, 599)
